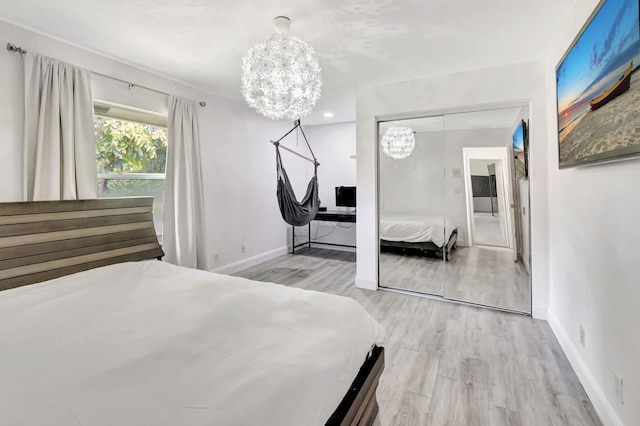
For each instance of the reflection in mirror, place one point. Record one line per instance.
(453, 207)
(489, 213)
(411, 205)
(490, 265)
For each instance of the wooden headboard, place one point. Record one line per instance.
(42, 240)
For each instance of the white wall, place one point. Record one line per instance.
(512, 85)
(479, 167)
(415, 185)
(594, 279)
(238, 162)
(11, 121)
(333, 145)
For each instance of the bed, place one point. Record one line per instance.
(92, 332)
(418, 233)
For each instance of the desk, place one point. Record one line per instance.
(325, 216)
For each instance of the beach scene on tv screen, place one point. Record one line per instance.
(599, 88)
(518, 151)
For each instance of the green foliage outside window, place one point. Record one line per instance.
(128, 147)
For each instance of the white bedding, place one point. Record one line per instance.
(414, 228)
(149, 343)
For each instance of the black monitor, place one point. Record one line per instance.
(345, 196)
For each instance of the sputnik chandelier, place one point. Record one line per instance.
(398, 142)
(281, 75)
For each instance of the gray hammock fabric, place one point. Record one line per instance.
(294, 212)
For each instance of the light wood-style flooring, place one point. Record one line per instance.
(450, 364)
(487, 230)
(486, 276)
(489, 277)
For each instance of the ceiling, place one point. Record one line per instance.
(359, 42)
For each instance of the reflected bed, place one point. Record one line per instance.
(418, 233)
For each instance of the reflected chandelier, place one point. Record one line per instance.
(281, 75)
(398, 142)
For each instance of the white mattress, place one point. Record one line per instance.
(414, 228)
(149, 343)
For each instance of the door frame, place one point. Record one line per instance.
(489, 153)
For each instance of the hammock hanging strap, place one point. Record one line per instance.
(294, 212)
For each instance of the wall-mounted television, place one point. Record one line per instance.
(345, 196)
(598, 88)
(521, 150)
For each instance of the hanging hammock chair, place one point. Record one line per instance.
(294, 212)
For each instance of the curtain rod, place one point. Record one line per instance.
(15, 49)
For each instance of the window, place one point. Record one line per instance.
(131, 153)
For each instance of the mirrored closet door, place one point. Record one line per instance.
(454, 212)
(411, 204)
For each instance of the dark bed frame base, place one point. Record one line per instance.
(359, 406)
(428, 247)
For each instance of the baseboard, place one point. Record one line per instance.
(238, 266)
(539, 311)
(366, 283)
(603, 407)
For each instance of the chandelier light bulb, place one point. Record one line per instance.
(281, 75)
(398, 142)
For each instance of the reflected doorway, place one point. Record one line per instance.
(489, 216)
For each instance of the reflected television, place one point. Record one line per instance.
(520, 150)
(598, 88)
(345, 196)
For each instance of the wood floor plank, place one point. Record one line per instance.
(392, 388)
(425, 372)
(448, 403)
(413, 410)
(475, 372)
(499, 416)
(434, 331)
(450, 364)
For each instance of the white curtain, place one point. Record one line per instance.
(59, 152)
(184, 236)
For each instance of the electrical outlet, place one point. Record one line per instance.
(619, 388)
(582, 336)
(243, 248)
(216, 257)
